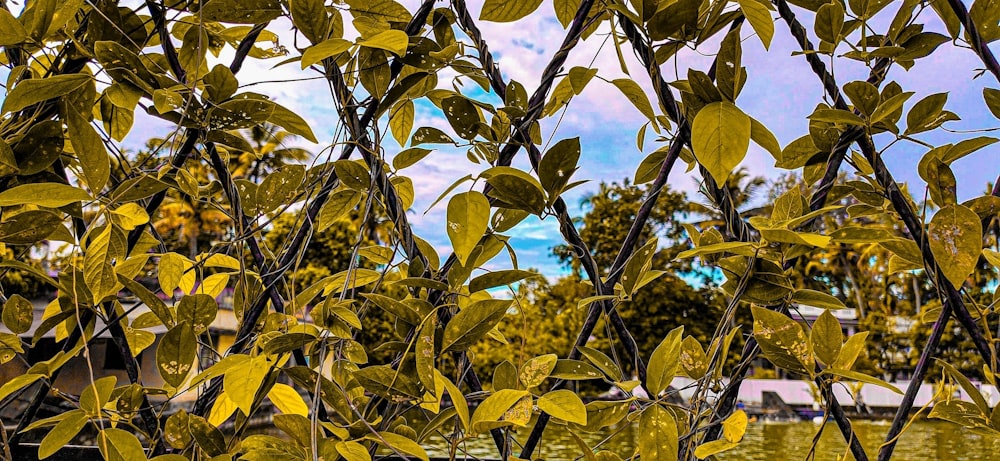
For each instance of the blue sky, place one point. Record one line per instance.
(781, 92)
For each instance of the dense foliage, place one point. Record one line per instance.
(367, 340)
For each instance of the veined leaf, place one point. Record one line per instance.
(393, 41)
(493, 408)
(11, 31)
(323, 50)
(534, 371)
(664, 362)
(472, 323)
(565, 405)
(62, 433)
(955, 235)
(637, 96)
(468, 219)
(36, 90)
(782, 341)
(48, 194)
(241, 11)
(242, 382)
(499, 278)
(720, 136)
(176, 353)
(815, 298)
(507, 10)
(288, 400)
(658, 437)
(826, 337)
(760, 19)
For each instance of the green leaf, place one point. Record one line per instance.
(508, 10)
(311, 18)
(292, 122)
(815, 298)
(175, 271)
(565, 11)
(764, 138)
(208, 438)
(516, 188)
(720, 136)
(462, 115)
(565, 405)
(602, 361)
(401, 121)
(836, 116)
(36, 90)
(387, 382)
(430, 135)
(955, 235)
(494, 407)
(558, 165)
(664, 362)
(693, 360)
(850, 351)
(90, 150)
(120, 445)
(826, 337)
(927, 114)
(707, 449)
(424, 351)
(714, 248)
(154, 303)
(967, 386)
(679, 19)
(863, 95)
(468, 219)
(11, 31)
(472, 323)
(782, 341)
(861, 377)
(735, 426)
(323, 50)
(241, 11)
(986, 17)
(760, 19)
(888, 108)
(657, 434)
(198, 310)
(457, 398)
(800, 238)
(575, 370)
(242, 381)
(650, 166)
(103, 249)
(992, 97)
(337, 206)
(46, 194)
(393, 41)
(637, 97)
(409, 157)
(60, 435)
(534, 371)
(353, 451)
(499, 278)
(18, 314)
(176, 353)
(829, 22)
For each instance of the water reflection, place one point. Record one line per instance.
(768, 441)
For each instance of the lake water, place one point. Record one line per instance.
(777, 441)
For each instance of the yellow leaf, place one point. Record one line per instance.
(221, 410)
(288, 400)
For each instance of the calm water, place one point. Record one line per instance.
(925, 440)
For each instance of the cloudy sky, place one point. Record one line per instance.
(781, 92)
